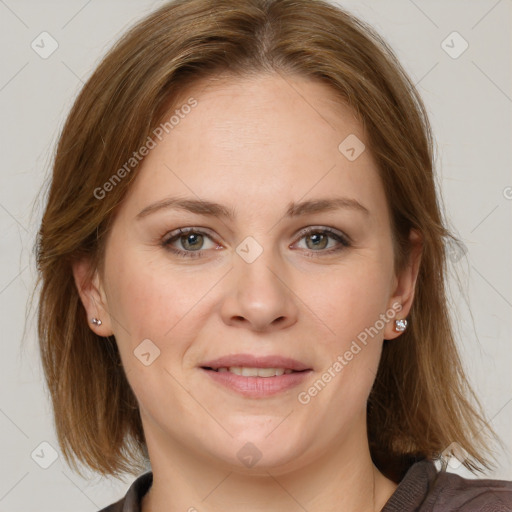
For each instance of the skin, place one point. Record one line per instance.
(254, 145)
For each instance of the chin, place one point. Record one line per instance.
(258, 453)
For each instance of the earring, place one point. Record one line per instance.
(400, 325)
(96, 321)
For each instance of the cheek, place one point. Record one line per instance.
(141, 292)
(351, 305)
(150, 299)
(350, 299)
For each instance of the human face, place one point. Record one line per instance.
(254, 146)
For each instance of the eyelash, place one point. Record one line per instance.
(343, 240)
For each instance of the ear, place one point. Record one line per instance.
(93, 297)
(404, 285)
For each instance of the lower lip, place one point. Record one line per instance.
(258, 387)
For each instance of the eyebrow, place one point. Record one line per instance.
(209, 208)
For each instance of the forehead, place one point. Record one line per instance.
(261, 104)
(270, 136)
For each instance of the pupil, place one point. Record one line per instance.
(318, 237)
(192, 239)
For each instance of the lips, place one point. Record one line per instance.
(251, 361)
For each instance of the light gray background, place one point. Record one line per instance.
(469, 100)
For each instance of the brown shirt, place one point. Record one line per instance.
(423, 489)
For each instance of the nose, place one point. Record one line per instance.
(259, 295)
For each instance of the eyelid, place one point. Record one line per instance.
(175, 233)
(324, 229)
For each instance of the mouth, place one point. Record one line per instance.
(245, 371)
(248, 365)
(256, 377)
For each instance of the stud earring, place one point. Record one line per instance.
(96, 321)
(400, 325)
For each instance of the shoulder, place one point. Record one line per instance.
(424, 489)
(453, 492)
(131, 502)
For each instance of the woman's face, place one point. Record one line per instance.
(272, 273)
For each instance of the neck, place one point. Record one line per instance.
(343, 478)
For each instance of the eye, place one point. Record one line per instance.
(191, 240)
(317, 240)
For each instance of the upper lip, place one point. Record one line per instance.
(250, 361)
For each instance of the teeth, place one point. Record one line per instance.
(255, 372)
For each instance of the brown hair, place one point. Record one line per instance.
(421, 401)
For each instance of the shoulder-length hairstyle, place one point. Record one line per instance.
(421, 401)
